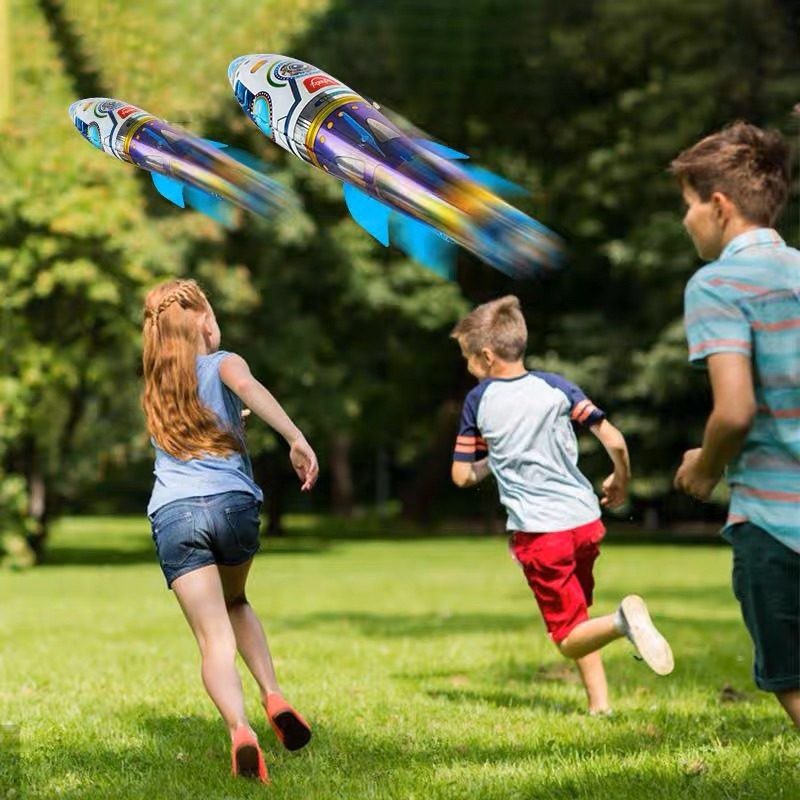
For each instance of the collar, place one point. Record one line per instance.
(758, 237)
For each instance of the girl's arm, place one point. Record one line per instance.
(615, 486)
(236, 375)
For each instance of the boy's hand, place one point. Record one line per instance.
(304, 461)
(692, 479)
(615, 488)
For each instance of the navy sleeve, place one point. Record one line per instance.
(470, 445)
(582, 410)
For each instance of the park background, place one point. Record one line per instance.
(585, 102)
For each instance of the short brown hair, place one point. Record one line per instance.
(748, 165)
(498, 325)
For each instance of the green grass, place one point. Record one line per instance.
(420, 662)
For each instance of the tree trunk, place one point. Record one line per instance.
(274, 495)
(37, 500)
(419, 495)
(342, 491)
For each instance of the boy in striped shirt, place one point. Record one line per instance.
(742, 318)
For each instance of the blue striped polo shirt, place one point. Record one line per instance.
(525, 426)
(748, 302)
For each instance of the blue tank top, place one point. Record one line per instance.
(200, 477)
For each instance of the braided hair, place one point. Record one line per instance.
(178, 421)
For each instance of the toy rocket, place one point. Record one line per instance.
(186, 169)
(401, 188)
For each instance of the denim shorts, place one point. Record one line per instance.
(195, 532)
(766, 582)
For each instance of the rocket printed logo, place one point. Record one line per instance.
(317, 82)
(126, 111)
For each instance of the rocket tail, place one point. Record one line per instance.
(416, 239)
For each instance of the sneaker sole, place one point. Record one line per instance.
(652, 646)
(293, 733)
(247, 761)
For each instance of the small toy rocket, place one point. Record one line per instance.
(185, 169)
(409, 191)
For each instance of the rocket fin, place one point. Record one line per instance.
(219, 145)
(369, 213)
(424, 244)
(494, 183)
(170, 188)
(211, 205)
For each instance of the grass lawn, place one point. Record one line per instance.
(421, 664)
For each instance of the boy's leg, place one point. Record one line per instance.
(631, 621)
(200, 596)
(589, 636)
(766, 582)
(594, 681)
(791, 703)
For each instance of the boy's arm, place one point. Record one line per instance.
(615, 486)
(468, 473)
(236, 375)
(731, 377)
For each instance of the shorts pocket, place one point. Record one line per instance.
(173, 534)
(244, 523)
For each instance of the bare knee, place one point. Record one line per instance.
(236, 601)
(217, 642)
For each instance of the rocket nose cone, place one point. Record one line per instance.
(233, 66)
(76, 109)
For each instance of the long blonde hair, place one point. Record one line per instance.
(177, 420)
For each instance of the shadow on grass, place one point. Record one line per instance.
(124, 541)
(411, 625)
(131, 553)
(188, 757)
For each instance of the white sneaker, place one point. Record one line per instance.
(639, 629)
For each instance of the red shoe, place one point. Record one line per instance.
(293, 731)
(247, 759)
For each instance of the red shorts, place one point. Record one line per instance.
(558, 567)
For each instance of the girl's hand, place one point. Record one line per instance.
(615, 488)
(304, 461)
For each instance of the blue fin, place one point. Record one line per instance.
(369, 213)
(494, 182)
(220, 145)
(424, 244)
(440, 149)
(211, 205)
(170, 188)
(248, 159)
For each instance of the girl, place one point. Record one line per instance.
(204, 509)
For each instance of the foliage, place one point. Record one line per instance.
(585, 103)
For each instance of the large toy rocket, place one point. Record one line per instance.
(412, 192)
(185, 169)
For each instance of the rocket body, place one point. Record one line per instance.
(411, 191)
(185, 167)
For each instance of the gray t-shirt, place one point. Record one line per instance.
(525, 426)
(200, 477)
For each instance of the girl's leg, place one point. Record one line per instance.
(293, 731)
(201, 597)
(250, 637)
(594, 682)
